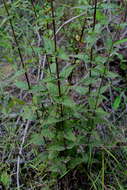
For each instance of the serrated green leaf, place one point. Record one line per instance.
(48, 45)
(48, 133)
(66, 71)
(56, 147)
(5, 20)
(42, 157)
(58, 167)
(37, 139)
(38, 88)
(99, 69)
(53, 89)
(50, 120)
(70, 135)
(101, 112)
(81, 90)
(18, 74)
(62, 54)
(89, 81)
(109, 42)
(103, 89)
(67, 101)
(81, 56)
(22, 85)
(101, 17)
(52, 154)
(112, 75)
(53, 68)
(28, 113)
(116, 103)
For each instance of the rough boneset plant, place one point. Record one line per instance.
(62, 94)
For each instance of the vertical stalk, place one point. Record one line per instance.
(17, 44)
(90, 66)
(20, 54)
(56, 60)
(61, 124)
(92, 48)
(94, 16)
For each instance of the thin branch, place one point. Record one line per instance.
(55, 45)
(43, 66)
(68, 21)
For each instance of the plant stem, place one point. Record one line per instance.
(61, 124)
(92, 48)
(20, 54)
(55, 46)
(17, 44)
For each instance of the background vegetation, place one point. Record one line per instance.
(63, 87)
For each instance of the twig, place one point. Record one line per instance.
(20, 154)
(43, 66)
(40, 69)
(68, 21)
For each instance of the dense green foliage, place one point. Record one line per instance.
(63, 103)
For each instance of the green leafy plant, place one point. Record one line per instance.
(61, 95)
